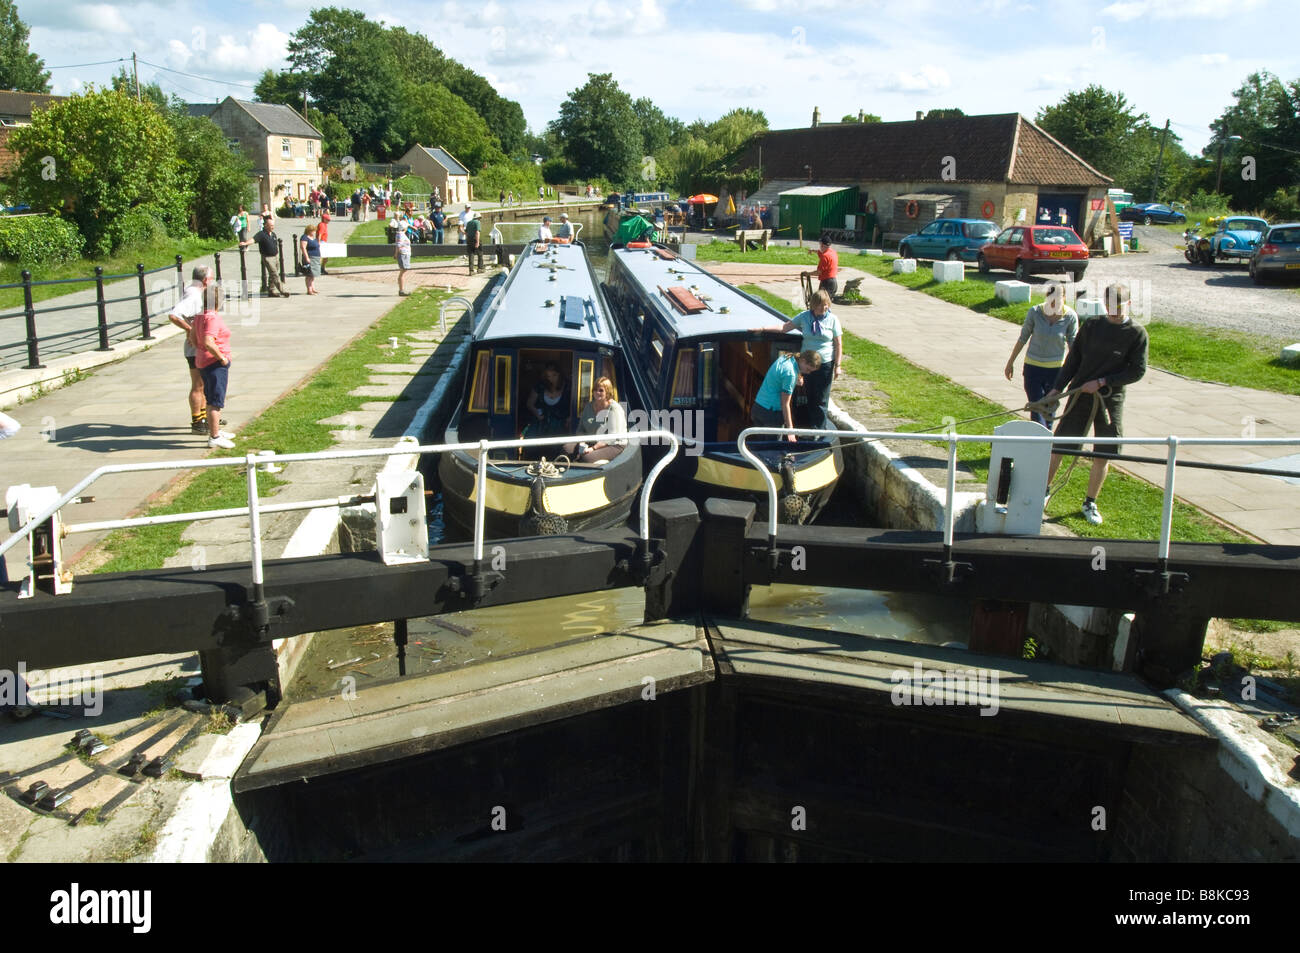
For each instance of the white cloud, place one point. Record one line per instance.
(97, 17)
(1179, 9)
(925, 79)
(1214, 59)
(262, 48)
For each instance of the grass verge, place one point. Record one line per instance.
(1132, 505)
(292, 425)
(1228, 357)
(155, 255)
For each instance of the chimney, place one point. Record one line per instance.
(817, 117)
(919, 114)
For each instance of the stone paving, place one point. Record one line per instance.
(971, 349)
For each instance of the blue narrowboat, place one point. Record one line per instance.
(698, 364)
(550, 314)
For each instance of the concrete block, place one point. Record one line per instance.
(949, 271)
(1089, 308)
(1011, 291)
(872, 251)
(1291, 354)
(904, 266)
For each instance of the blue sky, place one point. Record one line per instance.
(1175, 59)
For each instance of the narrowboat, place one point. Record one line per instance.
(698, 364)
(549, 316)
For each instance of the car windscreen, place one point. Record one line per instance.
(1285, 236)
(1242, 225)
(981, 229)
(1055, 236)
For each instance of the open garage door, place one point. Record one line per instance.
(1060, 208)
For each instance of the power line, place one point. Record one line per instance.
(208, 79)
(120, 59)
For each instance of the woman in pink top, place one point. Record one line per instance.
(212, 356)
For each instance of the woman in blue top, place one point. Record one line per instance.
(772, 403)
(821, 333)
(310, 248)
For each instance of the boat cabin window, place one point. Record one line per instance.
(683, 392)
(480, 392)
(586, 376)
(532, 372)
(656, 352)
(502, 402)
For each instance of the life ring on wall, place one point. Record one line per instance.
(871, 207)
(912, 209)
(987, 209)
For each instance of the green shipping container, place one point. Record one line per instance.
(815, 207)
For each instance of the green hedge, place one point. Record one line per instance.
(141, 225)
(39, 239)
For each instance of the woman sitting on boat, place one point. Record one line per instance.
(549, 405)
(603, 414)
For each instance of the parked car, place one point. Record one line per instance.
(1278, 254)
(1235, 238)
(1151, 212)
(1034, 249)
(951, 238)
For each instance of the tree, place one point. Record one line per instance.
(149, 92)
(326, 31)
(598, 130)
(284, 89)
(357, 85)
(435, 116)
(658, 131)
(732, 130)
(953, 113)
(865, 117)
(1099, 126)
(336, 141)
(20, 68)
(216, 176)
(1259, 163)
(96, 158)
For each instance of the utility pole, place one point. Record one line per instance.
(135, 71)
(1155, 179)
(1218, 176)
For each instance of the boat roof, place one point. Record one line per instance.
(576, 312)
(653, 272)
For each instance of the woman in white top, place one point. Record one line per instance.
(603, 414)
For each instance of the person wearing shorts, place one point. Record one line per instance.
(828, 266)
(190, 305)
(213, 355)
(402, 252)
(1108, 354)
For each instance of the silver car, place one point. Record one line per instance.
(1277, 254)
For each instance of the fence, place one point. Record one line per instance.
(101, 329)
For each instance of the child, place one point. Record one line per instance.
(212, 357)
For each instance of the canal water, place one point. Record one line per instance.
(439, 643)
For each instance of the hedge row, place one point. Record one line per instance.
(39, 239)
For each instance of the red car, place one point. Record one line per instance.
(1033, 249)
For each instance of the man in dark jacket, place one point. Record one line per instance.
(268, 246)
(1108, 354)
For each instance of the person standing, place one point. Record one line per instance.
(182, 315)
(310, 256)
(821, 333)
(211, 338)
(463, 220)
(472, 239)
(365, 205)
(268, 246)
(242, 227)
(437, 219)
(772, 403)
(402, 252)
(1107, 355)
(322, 234)
(828, 266)
(1049, 330)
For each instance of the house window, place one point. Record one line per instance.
(285, 151)
(311, 148)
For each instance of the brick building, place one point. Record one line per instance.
(285, 149)
(442, 170)
(16, 110)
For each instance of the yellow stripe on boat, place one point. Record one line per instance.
(744, 477)
(565, 499)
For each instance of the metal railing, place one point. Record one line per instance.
(953, 439)
(256, 508)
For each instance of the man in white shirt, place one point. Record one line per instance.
(544, 230)
(189, 306)
(462, 219)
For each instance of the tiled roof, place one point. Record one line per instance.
(13, 103)
(278, 120)
(446, 160)
(997, 148)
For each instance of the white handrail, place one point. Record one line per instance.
(952, 439)
(254, 509)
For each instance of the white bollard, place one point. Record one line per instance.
(904, 266)
(1291, 354)
(949, 271)
(1011, 291)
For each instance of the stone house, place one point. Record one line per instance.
(285, 149)
(999, 167)
(16, 110)
(442, 170)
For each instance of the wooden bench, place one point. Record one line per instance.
(759, 236)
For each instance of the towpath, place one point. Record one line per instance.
(971, 349)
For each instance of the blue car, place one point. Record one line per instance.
(956, 239)
(1236, 239)
(1151, 212)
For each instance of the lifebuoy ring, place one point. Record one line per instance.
(987, 209)
(638, 244)
(871, 207)
(912, 209)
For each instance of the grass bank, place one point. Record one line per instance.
(1228, 357)
(1131, 506)
(155, 255)
(292, 425)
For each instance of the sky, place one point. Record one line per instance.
(697, 59)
